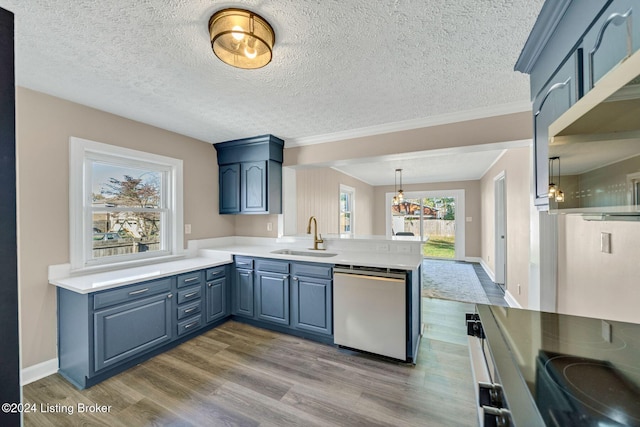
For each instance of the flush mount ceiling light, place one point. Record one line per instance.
(241, 38)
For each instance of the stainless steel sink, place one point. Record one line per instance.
(319, 254)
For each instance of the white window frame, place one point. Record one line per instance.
(82, 153)
(352, 192)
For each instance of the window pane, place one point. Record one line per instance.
(114, 186)
(120, 233)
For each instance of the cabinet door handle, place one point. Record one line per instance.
(285, 276)
(209, 284)
(192, 324)
(138, 292)
(170, 296)
(295, 278)
(189, 310)
(190, 279)
(189, 295)
(615, 19)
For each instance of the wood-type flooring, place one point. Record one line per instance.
(238, 375)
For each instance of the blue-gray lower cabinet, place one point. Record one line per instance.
(103, 333)
(243, 293)
(272, 291)
(216, 299)
(312, 305)
(126, 330)
(312, 297)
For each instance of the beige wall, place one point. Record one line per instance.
(472, 209)
(318, 193)
(515, 164)
(596, 284)
(44, 125)
(497, 129)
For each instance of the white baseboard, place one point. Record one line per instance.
(41, 370)
(487, 270)
(511, 300)
(473, 259)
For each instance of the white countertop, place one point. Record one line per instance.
(93, 282)
(215, 252)
(401, 261)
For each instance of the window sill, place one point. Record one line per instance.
(126, 264)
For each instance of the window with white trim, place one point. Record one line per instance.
(347, 202)
(125, 205)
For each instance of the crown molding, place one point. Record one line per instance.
(443, 119)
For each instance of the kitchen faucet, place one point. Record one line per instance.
(316, 239)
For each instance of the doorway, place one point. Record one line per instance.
(434, 217)
(500, 257)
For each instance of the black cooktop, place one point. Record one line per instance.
(580, 371)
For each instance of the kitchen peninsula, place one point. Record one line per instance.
(110, 321)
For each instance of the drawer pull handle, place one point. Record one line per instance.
(189, 295)
(295, 278)
(189, 310)
(190, 279)
(138, 292)
(217, 273)
(170, 296)
(192, 324)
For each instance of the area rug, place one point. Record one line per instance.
(452, 280)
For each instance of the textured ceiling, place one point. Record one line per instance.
(338, 65)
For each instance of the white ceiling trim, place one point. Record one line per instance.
(442, 119)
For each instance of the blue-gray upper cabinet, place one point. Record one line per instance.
(613, 37)
(229, 179)
(572, 45)
(556, 97)
(243, 298)
(312, 301)
(250, 175)
(272, 291)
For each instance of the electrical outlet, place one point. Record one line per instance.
(606, 331)
(269, 226)
(382, 247)
(187, 229)
(469, 219)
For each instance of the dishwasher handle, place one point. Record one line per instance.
(374, 273)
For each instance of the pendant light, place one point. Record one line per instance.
(241, 38)
(399, 195)
(552, 186)
(555, 193)
(559, 192)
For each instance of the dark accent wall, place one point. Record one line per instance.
(9, 338)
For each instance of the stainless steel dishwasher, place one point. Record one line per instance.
(370, 310)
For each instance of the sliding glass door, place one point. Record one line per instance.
(434, 217)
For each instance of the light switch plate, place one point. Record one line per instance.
(606, 331)
(605, 243)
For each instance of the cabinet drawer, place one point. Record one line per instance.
(322, 271)
(215, 273)
(189, 294)
(131, 293)
(272, 266)
(189, 325)
(189, 309)
(244, 263)
(189, 279)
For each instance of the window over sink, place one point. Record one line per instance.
(125, 205)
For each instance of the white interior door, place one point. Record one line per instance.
(500, 230)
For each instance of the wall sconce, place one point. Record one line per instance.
(399, 195)
(241, 38)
